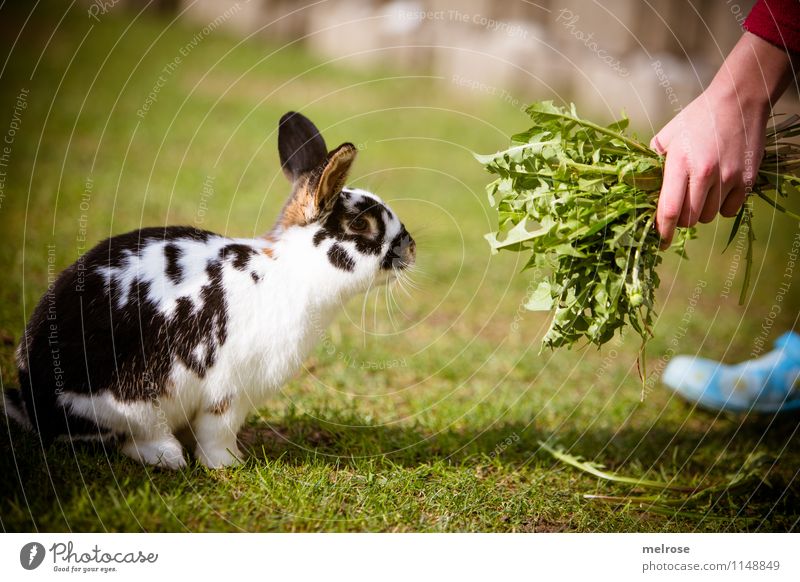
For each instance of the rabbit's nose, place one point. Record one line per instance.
(402, 252)
(411, 252)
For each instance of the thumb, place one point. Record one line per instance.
(661, 140)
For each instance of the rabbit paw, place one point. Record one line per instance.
(216, 457)
(164, 452)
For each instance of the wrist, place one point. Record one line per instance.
(755, 74)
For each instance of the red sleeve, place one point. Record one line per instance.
(776, 21)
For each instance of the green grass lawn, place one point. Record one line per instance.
(422, 414)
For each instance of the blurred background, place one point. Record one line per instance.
(121, 114)
(605, 54)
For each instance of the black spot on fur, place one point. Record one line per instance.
(173, 254)
(241, 254)
(339, 258)
(255, 276)
(81, 340)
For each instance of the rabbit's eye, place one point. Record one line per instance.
(359, 225)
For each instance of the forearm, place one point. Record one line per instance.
(755, 73)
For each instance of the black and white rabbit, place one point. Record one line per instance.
(169, 328)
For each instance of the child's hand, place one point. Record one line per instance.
(714, 146)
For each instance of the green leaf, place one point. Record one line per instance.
(541, 298)
(735, 228)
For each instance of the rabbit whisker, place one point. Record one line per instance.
(389, 308)
(402, 284)
(364, 314)
(375, 313)
(397, 303)
(406, 280)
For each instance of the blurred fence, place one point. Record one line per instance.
(646, 57)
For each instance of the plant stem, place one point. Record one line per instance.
(775, 205)
(597, 472)
(599, 128)
(596, 168)
(747, 222)
(638, 256)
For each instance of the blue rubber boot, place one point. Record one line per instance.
(768, 384)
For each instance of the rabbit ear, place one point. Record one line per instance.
(300, 146)
(315, 192)
(327, 184)
(317, 177)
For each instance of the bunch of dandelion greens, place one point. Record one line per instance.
(581, 199)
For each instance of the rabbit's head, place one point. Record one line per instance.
(348, 234)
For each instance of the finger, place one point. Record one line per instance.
(661, 140)
(713, 202)
(700, 182)
(733, 201)
(686, 210)
(670, 201)
(656, 145)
